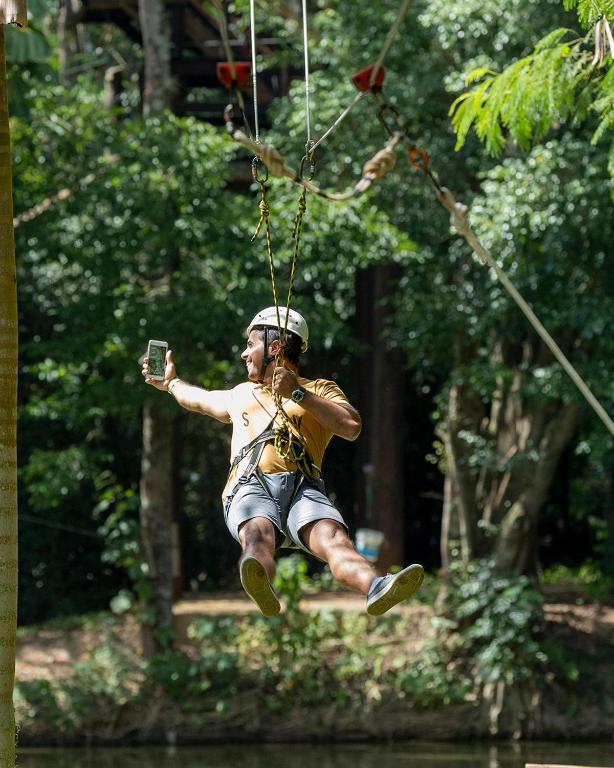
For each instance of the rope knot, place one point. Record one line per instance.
(459, 212)
(300, 212)
(380, 163)
(264, 215)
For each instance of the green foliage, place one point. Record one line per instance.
(105, 680)
(558, 83)
(213, 671)
(527, 97)
(123, 550)
(590, 11)
(433, 678)
(27, 46)
(498, 619)
(589, 576)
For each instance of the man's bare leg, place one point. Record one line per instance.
(329, 540)
(257, 563)
(257, 537)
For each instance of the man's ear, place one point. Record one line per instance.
(274, 347)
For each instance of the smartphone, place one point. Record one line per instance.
(156, 353)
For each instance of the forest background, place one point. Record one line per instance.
(478, 457)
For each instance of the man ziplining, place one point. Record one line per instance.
(272, 498)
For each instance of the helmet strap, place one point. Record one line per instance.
(266, 359)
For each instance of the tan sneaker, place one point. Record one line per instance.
(256, 583)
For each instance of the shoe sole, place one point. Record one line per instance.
(404, 586)
(255, 581)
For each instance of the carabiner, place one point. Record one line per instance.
(307, 157)
(256, 177)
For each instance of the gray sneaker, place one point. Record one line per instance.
(256, 583)
(386, 591)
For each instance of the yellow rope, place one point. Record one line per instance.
(289, 443)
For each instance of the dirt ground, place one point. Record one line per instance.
(47, 653)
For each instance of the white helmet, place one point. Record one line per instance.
(296, 323)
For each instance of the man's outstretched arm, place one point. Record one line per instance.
(212, 403)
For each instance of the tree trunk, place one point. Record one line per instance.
(155, 31)
(501, 465)
(13, 12)
(382, 390)
(157, 503)
(69, 42)
(8, 415)
(516, 548)
(159, 530)
(113, 86)
(464, 416)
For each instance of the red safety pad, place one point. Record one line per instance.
(224, 72)
(362, 80)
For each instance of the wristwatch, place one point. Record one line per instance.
(298, 394)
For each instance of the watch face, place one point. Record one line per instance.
(298, 395)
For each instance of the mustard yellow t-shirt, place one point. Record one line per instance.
(251, 409)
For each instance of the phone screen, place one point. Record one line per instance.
(156, 352)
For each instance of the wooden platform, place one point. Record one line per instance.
(557, 765)
(196, 48)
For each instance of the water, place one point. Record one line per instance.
(410, 754)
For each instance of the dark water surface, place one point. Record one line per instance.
(410, 754)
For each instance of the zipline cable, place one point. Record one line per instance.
(459, 217)
(306, 53)
(379, 63)
(252, 13)
(340, 119)
(58, 526)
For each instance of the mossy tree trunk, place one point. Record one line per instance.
(156, 518)
(157, 497)
(501, 460)
(381, 387)
(10, 12)
(155, 31)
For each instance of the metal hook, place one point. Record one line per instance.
(308, 157)
(255, 175)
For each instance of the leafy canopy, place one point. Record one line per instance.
(559, 82)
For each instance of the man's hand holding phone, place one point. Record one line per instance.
(158, 365)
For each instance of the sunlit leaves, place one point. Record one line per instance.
(527, 98)
(590, 11)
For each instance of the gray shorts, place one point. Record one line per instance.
(290, 504)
